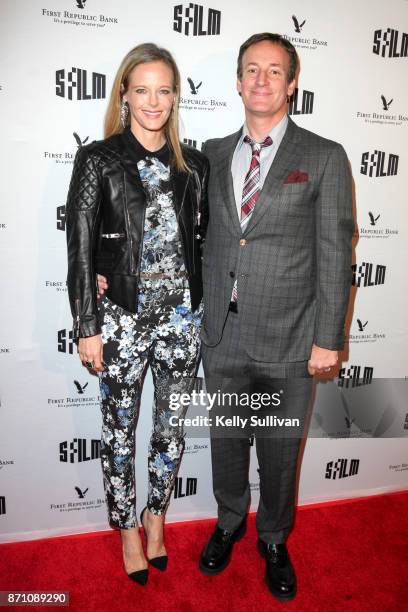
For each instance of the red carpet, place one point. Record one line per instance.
(348, 556)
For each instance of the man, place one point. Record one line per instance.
(276, 274)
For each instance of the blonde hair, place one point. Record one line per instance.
(142, 54)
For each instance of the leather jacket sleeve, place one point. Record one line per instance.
(82, 219)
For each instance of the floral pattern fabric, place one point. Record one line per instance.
(165, 335)
(162, 251)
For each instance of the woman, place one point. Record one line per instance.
(136, 212)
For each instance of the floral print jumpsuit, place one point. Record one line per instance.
(163, 334)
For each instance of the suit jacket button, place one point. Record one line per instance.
(242, 242)
(232, 274)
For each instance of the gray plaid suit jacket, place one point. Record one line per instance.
(294, 269)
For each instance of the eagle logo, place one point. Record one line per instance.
(373, 220)
(194, 88)
(386, 105)
(298, 26)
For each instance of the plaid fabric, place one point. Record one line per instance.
(251, 190)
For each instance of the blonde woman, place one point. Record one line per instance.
(136, 213)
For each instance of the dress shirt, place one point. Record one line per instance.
(242, 158)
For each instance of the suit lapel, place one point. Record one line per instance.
(287, 158)
(223, 165)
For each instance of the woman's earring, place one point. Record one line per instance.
(124, 111)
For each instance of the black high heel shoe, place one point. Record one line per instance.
(140, 576)
(160, 562)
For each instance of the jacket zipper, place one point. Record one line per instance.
(198, 213)
(178, 224)
(121, 235)
(77, 323)
(142, 237)
(132, 263)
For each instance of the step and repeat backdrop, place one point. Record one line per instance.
(58, 61)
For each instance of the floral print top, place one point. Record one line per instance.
(161, 251)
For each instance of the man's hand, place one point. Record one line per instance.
(321, 360)
(91, 350)
(102, 282)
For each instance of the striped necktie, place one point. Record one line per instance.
(251, 190)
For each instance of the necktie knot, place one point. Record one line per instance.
(257, 146)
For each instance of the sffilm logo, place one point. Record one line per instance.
(306, 107)
(79, 449)
(374, 164)
(77, 79)
(364, 272)
(190, 487)
(353, 377)
(342, 468)
(61, 218)
(65, 342)
(194, 22)
(387, 43)
(192, 143)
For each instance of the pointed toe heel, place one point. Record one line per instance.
(140, 576)
(159, 563)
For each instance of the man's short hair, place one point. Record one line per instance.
(277, 39)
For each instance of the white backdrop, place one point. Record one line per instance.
(49, 403)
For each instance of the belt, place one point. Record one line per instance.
(233, 307)
(163, 275)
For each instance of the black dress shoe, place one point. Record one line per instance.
(140, 576)
(160, 562)
(280, 575)
(217, 552)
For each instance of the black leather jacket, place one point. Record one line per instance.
(106, 196)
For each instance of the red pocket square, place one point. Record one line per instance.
(296, 177)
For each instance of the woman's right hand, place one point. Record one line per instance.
(91, 349)
(102, 282)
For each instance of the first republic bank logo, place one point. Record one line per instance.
(386, 116)
(79, 18)
(196, 20)
(303, 41)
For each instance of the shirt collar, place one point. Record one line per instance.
(276, 132)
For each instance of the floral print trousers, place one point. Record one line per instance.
(164, 334)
